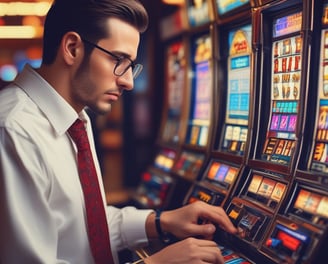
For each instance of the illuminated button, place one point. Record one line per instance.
(273, 242)
(293, 226)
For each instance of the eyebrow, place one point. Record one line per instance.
(119, 54)
(123, 54)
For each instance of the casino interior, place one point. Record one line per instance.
(231, 109)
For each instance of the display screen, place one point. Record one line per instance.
(175, 84)
(225, 6)
(202, 91)
(189, 164)
(200, 112)
(265, 190)
(221, 173)
(198, 12)
(285, 89)
(312, 203)
(320, 151)
(287, 24)
(320, 158)
(165, 159)
(238, 95)
(325, 14)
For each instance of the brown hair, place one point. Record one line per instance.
(88, 18)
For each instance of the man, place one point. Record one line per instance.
(88, 61)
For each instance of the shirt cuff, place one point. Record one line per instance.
(127, 227)
(134, 227)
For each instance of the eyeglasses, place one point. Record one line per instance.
(122, 63)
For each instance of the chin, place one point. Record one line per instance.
(101, 109)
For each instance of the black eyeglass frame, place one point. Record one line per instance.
(136, 67)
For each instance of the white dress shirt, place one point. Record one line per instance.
(42, 215)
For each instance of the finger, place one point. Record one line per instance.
(203, 242)
(204, 230)
(212, 254)
(218, 215)
(225, 222)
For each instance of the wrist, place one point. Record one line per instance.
(162, 234)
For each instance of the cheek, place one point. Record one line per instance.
(101, 70)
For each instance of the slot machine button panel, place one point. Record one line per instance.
(251, 221)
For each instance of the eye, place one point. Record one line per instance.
(121, 60)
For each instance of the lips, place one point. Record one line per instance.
(112, 96)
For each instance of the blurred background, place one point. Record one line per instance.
(125, 137)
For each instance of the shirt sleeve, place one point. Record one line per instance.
(27, 232)
(127, 227)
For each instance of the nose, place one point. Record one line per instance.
(126, 81)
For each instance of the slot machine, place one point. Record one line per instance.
(233, 94)
(157, 186)
(228, 154)
(282, 50)
(194, 149)
(233, 53)
(299, 231)
(281, 91)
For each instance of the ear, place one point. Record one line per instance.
(72, 48)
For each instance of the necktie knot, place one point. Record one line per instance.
(79, 135)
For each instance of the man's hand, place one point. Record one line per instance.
(183, 222)
(188, 251)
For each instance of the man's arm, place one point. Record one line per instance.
(183, 223)
(26, 230)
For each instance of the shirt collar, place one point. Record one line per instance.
(59, 113)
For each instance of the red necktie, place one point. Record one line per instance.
(97, 225)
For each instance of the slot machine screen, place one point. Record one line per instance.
(198, 12)
(189, 164)
(285, 89)
(225, 6)
(310, 206)
(176, 70)
(221, 174)
(237, 110)
(165, 159)
(264, 190)
(319, 160)
(200, 113)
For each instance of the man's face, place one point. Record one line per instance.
(95, 84)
